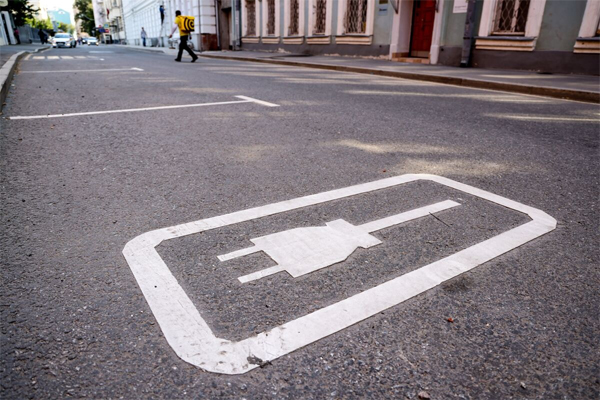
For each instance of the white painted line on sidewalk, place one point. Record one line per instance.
(82, 70)
(191, 337)
(245, 100)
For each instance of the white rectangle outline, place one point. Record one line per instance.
(191, 337)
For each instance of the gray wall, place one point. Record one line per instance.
(554, 48)
(384, 18)
(561, 24)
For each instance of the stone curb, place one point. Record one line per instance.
(8, 70)
(568, 94)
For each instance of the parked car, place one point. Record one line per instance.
(84, 40)
(63, 40)
(92, 41)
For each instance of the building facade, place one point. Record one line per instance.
(548, 35)
(59, 15)
(558, 36)
(114, 17)
(158, 25)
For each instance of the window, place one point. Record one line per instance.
(250, 17)
(270, 17)
(293, 20)
(319, 21)
(320, 17)
(270, 21)
(510, 25)
(294, 26)
(355, 22)
(356, 17)
(511, 17)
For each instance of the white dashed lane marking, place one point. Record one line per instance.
(82, 70)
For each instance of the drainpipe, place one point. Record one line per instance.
(236, 19)
(200, 26)
(465, 59)
(238, 4)
(232, 28)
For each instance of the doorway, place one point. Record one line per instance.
(225, 29)
(422, 28)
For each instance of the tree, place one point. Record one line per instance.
(21, 10)
(85, 14)
(66, 27)
(39, 23)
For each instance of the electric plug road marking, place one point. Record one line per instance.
(300, 251)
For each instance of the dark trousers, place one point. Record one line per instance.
(184, 46)
(144, 41)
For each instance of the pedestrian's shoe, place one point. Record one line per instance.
(177, 60)
(194, 59)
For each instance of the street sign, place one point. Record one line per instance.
(299, 251)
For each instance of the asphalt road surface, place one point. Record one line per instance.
(76, 189)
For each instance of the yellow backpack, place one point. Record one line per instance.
(187, 24)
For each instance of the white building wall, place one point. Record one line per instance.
(145, 13)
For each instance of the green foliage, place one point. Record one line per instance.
(66, 27)
(85, 14)
(39, 23)
(21, 11)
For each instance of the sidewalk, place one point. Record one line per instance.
(9, 57)
(164, 50)
(6, 52)
(572, 87)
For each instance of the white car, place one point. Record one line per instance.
(92, 41)
(63, 40)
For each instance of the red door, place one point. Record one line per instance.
(422, 28)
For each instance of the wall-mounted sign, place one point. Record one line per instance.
(460, 6)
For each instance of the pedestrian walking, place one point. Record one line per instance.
(42, 36)
(143, 35)
(16, 33)
(183, 37)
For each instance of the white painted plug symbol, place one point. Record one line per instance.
(300, 251)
